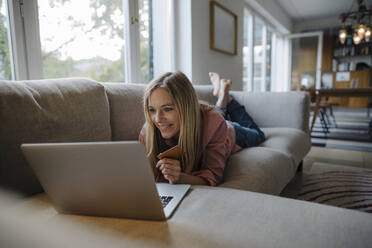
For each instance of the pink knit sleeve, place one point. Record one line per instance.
(216, 149)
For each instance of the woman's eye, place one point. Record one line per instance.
(168, 109)
(152, 111)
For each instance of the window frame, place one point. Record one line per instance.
(267, 27)
(26, 46)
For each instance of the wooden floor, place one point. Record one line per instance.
(346, 121)
(329, 156)
(337, 156)
(337, 151)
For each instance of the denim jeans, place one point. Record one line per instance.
(247, 132)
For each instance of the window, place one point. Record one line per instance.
(257, 53)
(258, 56)
(268, 60)
(247, 53)
(5, 55)
(85, 38)
(87, 43)
(145, 21)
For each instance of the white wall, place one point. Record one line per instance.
(318, 24)
(183, 36)
(273, 13)
(161, 28)
(203, 58)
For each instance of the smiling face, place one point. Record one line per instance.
(164, 113)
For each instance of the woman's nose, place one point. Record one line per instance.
(158, 116)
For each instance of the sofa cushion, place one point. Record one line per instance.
(293, 142)
(126, 109)
(259, 169)
(56, 110)
(206, 217)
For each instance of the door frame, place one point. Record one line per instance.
(318, 68)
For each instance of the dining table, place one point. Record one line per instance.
(337, 92)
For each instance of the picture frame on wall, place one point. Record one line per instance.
(223, 29)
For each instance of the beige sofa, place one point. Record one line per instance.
(77, 109)
(68, 110)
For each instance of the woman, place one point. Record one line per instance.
(174, 116)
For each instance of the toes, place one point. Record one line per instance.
(225, 85)
(214, 76)
(226, 81)
(211, 74)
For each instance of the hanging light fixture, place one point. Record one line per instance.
(367, 35)
(356, 38)
(342, 35)
(357, 23)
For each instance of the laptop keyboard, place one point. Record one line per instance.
(165, 200)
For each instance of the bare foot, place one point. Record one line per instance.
(215, 80)
(225, 86)
(224, 97)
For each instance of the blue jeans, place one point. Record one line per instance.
(246, 130)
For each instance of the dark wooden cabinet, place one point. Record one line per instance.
(358, 79)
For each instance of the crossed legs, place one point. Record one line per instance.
(246, 130)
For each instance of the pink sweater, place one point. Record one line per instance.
(218, 142)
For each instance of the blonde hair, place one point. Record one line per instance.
(186, 102)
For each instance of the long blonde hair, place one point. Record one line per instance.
(186, 102)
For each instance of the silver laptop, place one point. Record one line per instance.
(112, 179)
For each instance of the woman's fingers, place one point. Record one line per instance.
(171, 179)
(170, 168)
(170, 172)
(168, 164)
(159, 163)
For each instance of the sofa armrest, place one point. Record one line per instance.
(277, 109)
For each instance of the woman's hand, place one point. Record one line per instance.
(170, 168)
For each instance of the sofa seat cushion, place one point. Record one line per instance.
(56, 110)
(259, 169)
(206, 217)
(293, 142)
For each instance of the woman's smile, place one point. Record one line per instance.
(164, 127)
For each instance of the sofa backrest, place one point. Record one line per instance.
(78, 109)
(277, 109)
(126, 111)
(63, 110)
(126, 107)
(58, 110)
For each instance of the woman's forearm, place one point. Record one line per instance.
(193, 180)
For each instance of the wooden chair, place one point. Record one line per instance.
(325, 106)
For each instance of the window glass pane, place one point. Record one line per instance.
(256, 84)
(268, 60)
(5, 56)
(145, 15)
(246, 50)
(82, 38)
(258, 54)
(257, 70)
(258, 28)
